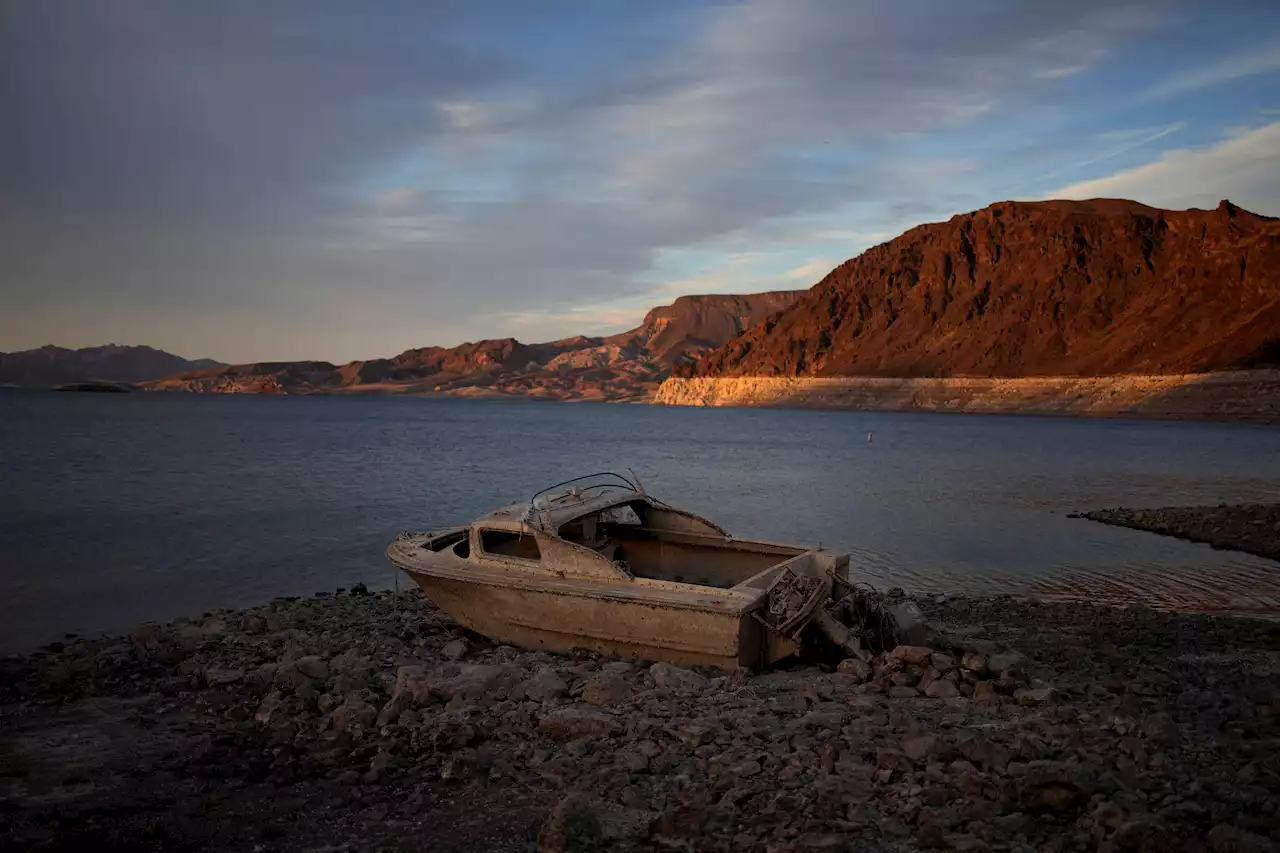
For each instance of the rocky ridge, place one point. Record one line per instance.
(626, 366)
(50, 365)
(1052, 288)
(361, 722)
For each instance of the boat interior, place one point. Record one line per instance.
(661, 544)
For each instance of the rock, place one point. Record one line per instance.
(605, 689)
(272, 705)
(475, 681)
(1161, 729)
(1142, 836)
(900, 691)
(985, 691)
(983, 752)
(412, 687)
(1225, 838)
(974, 662)
(913, 655)
(571, 723)
(1034, 697)
(859, 670)
(919, 747)
(942, 689)
(942, 662)
(219, 677)
(1108, 815)
(571, 827)
(545, 686)
(931, 837)
(1003, 662)
(745, 769)
(313, 667)
(455, 649)
(676, 678)
(1054, 787)
(888, 758)
(353, 713)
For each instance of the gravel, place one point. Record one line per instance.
(367, 722)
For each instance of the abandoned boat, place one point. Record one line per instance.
(596, 563)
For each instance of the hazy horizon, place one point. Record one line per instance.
(334, 182)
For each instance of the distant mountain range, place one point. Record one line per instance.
(50, 366)
(626, 366)
(1017, 289)
(1052, 288)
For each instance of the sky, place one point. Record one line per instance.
(254, 181)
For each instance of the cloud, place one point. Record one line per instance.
(386, 174)
(812, 271)
(1250, 63)
(1244, 167)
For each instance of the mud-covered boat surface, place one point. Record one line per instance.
(365, 723)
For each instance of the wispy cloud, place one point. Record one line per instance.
(1115, 143)
(1250, 63)
(1244, 167)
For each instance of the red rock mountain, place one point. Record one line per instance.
(50, 365)
(629, 365)
(1035, 288)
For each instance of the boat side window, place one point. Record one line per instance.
(507, 543)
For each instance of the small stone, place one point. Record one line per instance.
(1002, 663)
(313, 667)
(605, 689)
(985, 691)
(218, 677)
(913, 655)
(569, 828)
(676, 678)
(974, 662)
(942, 689)
(859, 670)
(902, 692)
(412, 687)
(942, 662)
(1108, 815)
(1142, 836)
(919, 746)
(571, 723)
(544, 686)
(888, 758)
(271, 705)
(745, 769)
(353, 713)
(455, 649)
(1034, 697)
(931, 837)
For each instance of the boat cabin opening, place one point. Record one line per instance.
(665, 544)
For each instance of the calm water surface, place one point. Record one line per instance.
(115, 509)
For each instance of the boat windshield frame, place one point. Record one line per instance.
(621, 484)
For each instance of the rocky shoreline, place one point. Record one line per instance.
(358, 721)
(1251, 528)
(1235, 395)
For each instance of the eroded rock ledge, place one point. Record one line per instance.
(1229, 395)
(363, 722)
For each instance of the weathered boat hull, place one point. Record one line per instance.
(628, 628)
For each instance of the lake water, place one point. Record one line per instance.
(116, 509)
